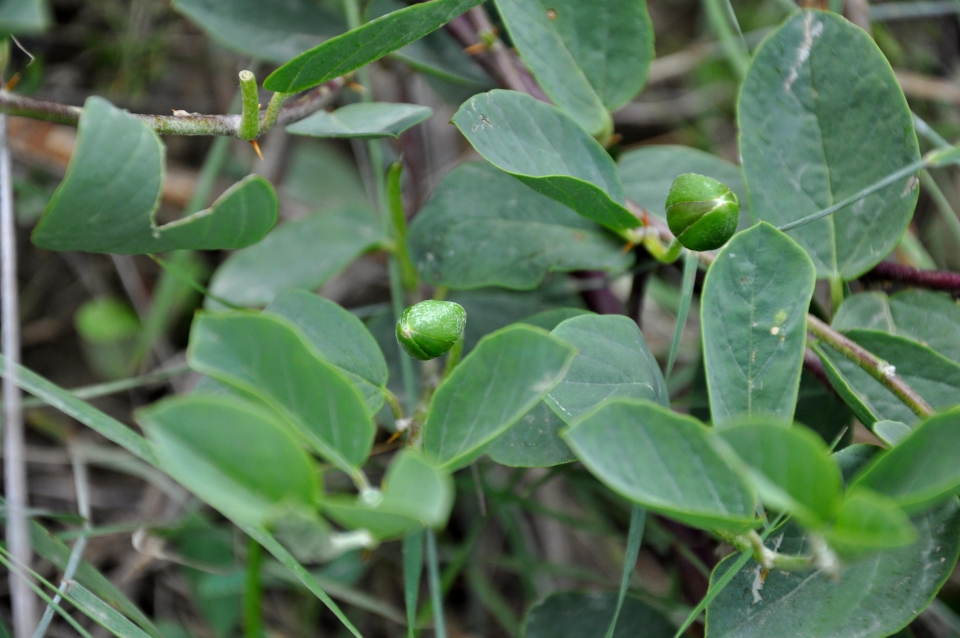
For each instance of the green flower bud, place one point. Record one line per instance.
(702, 212)
(430, 328)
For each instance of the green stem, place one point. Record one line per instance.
(249, 126)
(876, 368)
(395, 406)
(408, 273)
(453, 358)
(113, 387)
(273, 111)
(906, 171)
(436, 594)
(253, 593)
(412, 569)
(397, 295)
(734, 48)
(836, 292)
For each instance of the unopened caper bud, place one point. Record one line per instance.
(702, 212)
(429, 329)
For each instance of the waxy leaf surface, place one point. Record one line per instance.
(754, 318)
(548, 151)
(505, 376)
(267, 358)
(575, 614)
(107, 201)
(663, 461)
(482, 227)
(363, 45)
(814, 131)
(302, 254)
(364, 120)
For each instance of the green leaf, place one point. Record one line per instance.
(934, 377)
(111, 192)
(586, 615)
(233, 455)
(267, 357)
(538, 39)
(648, 172)
(358, 47)
(505, 376)
(663, 461)
(891, 432)
(23, 17)
(931, 318)
(415, 493)
(340, 338)
(789, 467)
(613, 361)
(106, 320)
(814, 132)
(754, 318)
(481, 227)
(534, 441)
(920, 470)
(272, 32)
(874, 597)
(124, 436)
(364, 120)
(303, 253)
(104, 615)
(868, 521)
(548, 151)
(820, 409)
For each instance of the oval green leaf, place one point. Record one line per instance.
(303, 254)
(505, 376)
(789, 467)
(874, 598)
(663, 461)
(814, 132)
(363, 45)
(107, 201)
(922, 468)
(754, 318)
(364, 120)
(534, 441)
(267, 357)
(233, 455)
(481, 227)
(868, 521)
(548, 151)
(340, 339)
(613, 361)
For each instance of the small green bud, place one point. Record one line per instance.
(429, 329)
(702, 212)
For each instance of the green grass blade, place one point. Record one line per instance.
(638, 517)
(690, 262)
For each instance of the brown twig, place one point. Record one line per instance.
(927, 279)
(181, 123)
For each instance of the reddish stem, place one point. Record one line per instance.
(928, 279)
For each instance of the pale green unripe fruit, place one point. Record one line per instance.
(429, 329)
(702, 213)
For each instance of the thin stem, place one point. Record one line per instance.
(412, 570)
(395, 406)
(876, 368)
(510, 76)
(181, 123)
(273, 111)
(249, 126)
(253, 592)
(436, 592)
(114, 387)
(927, 279)
(734, 48)
(375, 151)
(869, 190)
(408, 272)
(14, 460)
(187, 279)
(80, 479)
